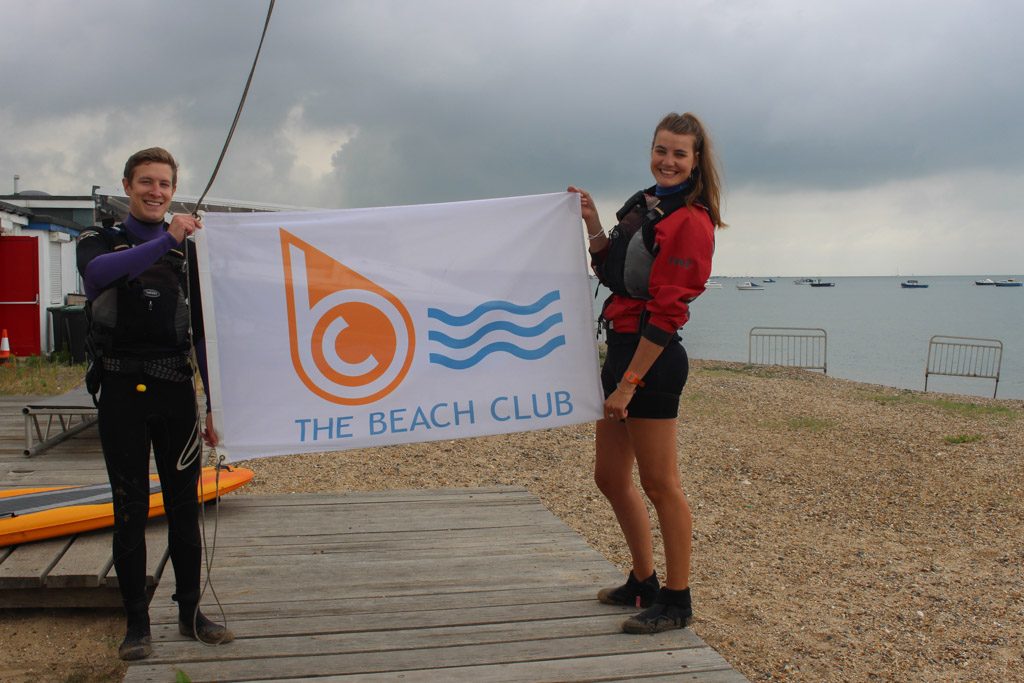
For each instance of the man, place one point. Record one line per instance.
(138, 279)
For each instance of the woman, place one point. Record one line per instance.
(655, 261)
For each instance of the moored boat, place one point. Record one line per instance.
(1009, 282)
(803, 281)
(821, 283)
(913, 284)
(986, 281)
(750, 286)
(711, 284)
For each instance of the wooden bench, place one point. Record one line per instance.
(75, 571)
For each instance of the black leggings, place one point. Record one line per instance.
(130, 420)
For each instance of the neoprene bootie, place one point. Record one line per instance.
(671, 610)
(194, 624)
(633, 593)
(137, 643)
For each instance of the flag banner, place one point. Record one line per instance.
(331, 330)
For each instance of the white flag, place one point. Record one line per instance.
(330, 330)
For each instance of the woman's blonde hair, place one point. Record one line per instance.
(707, 187)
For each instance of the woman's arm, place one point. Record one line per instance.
(643, 358)
(595, 233)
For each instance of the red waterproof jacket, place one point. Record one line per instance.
(686, 242)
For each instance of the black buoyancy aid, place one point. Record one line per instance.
(145, 317)
(626, 269)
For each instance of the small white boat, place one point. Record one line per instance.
(1010, 282)
(803, 281)
(986, 281)
(750, 286)
(711, 284)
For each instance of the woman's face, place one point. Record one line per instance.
(672, 158)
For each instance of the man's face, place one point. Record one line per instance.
(150, 191)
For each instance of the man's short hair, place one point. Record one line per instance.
(151, 155)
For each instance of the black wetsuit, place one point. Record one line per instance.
(147, 398)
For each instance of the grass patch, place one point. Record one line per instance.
(962, 438)
(36, 376)
(745, 370)
(810, 424)
(963, 408)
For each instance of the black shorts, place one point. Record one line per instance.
(663, 383)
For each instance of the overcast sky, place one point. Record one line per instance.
(856, 137)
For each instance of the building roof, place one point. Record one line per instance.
(14, 208)
(112, 199)
(44, 221)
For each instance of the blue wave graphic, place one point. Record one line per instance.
(496, 305)
(502, 325)
(525, 354)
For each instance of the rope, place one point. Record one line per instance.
(208, 552)
(238, 113)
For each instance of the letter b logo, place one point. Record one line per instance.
(351, 340)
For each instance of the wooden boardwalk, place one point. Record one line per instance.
(436, 585)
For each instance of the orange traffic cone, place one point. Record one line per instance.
(5, 348)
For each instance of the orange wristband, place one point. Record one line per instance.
(632, 378)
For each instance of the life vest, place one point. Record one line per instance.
(146, 317)
(626, 269)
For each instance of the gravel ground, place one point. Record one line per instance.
(843, 531)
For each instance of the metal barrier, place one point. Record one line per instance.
(964, 357)
(800, 347)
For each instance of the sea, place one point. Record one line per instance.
(877, 331)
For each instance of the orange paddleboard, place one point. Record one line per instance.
(34, 514)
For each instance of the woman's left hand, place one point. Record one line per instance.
(615, 404)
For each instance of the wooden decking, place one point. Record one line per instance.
(450, 585)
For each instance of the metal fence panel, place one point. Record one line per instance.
(964, 357)
(799, 347)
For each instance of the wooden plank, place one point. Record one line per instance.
(389, 497)
(28, 563)
(332, 583)
(452, 615)
(419, 659)
(303, 605)
(64, 597)
(643, 666)
(392, 637)
(85, 563)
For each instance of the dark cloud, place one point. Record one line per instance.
(460, 99)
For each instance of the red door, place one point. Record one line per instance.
(19, 293)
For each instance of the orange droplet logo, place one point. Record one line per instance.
(352, 341)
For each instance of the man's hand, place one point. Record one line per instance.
(183, 225)
(210, 434)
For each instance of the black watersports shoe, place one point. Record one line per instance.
(137, 644)
(671, 610)
(192, 623)
(205, 630)
(633, 593)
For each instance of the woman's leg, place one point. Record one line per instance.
(613, 473)
(654, 444)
